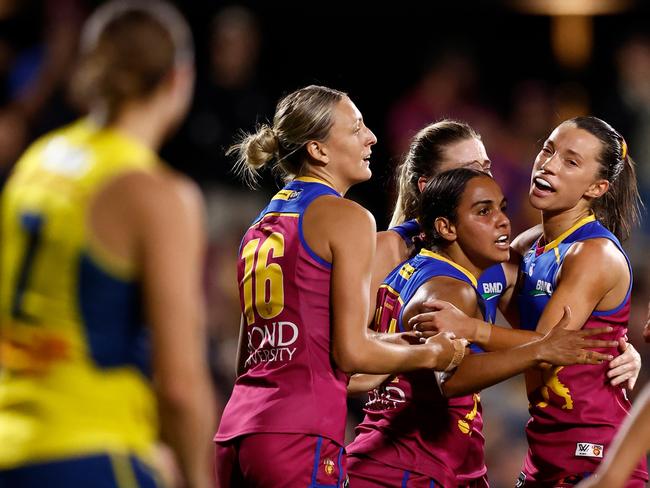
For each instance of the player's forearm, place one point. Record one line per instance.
(478, 371)
(502, 338)
(372, 356)
(188, 424)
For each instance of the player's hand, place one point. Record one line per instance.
(448, 350)
(443, 317)
(562, 346)
(401, 338)
(626, 367)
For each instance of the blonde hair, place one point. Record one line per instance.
(423, 159)
(303, 115)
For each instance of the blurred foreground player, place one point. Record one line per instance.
(99, 237)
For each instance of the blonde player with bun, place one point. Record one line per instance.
(304, 277)
(101, 319)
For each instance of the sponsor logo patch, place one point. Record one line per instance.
(521, 480)
(587, 449)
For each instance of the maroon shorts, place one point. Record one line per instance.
(365, 472)
(569, 482)
(272, 460)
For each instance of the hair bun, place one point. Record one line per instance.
(261, 147)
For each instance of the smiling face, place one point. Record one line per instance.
(565, 173)
(482, 227)
(347, 146)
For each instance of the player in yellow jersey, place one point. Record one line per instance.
(101, 318)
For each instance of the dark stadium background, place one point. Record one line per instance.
(377, 52)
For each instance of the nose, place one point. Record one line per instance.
(372, 139)
(549, 165)
(503, 222)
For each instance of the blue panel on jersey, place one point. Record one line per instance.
(540, 271)
(294, 198)
(111, 313)
(491, 285)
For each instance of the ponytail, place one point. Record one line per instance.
(302, 116)
(254, 151)
(619, 209)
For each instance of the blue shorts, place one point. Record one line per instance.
(100, 471)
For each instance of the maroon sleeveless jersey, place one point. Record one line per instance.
(575, 411)
(409, 424)
(290, 384)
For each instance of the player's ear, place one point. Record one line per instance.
(445, 229)
(318, 152)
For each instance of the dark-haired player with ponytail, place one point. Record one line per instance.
(583, 182)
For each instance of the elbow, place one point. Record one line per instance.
(345, 360)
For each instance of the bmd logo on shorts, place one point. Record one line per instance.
(587, 449)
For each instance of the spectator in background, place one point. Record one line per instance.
(228, 99)
(40, 39)
(446, 89)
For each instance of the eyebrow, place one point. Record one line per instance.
(489, 202)
(571, 151)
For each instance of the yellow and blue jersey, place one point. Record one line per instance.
(74, 352)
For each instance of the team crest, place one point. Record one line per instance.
(329, 466)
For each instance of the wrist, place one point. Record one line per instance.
(459, 354)
(432, 352)
(537, 352)
(482, 332)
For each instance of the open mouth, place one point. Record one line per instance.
(503, 241)
(543, 185)
(367, 159)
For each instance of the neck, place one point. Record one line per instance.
(140, 120)
(454, 253)
(555, 224)
(325, 177)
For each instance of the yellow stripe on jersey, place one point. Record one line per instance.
(392, 327)
(556, 242)
(392, 290)
(466, 272)
(285, 195)
(311, 179)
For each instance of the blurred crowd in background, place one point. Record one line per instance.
(510, 73)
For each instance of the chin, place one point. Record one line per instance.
(365, 175)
